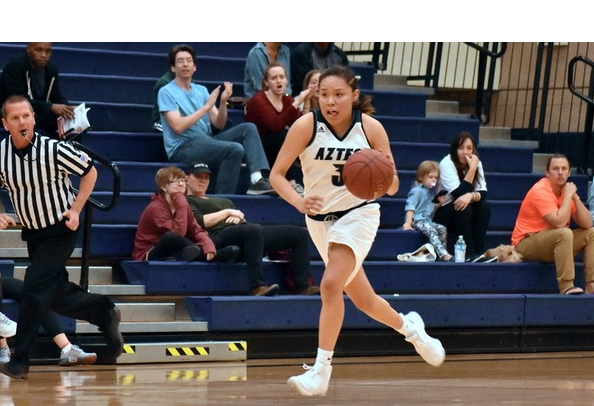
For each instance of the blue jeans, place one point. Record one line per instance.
(224, 153)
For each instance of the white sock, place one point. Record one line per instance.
(324, 357)
(406, 330)
(66, 349)
(255, 176)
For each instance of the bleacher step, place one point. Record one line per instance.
(98, 275)
(127, 327)
(118, 290)
(199, 351)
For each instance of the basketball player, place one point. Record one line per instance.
(341, 225)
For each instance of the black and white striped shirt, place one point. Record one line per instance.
(38, 181)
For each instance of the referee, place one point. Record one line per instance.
(36, 171)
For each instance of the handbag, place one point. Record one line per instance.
(425, 253)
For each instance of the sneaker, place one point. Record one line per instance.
(158, 127)
(310, 290)
(314, 382)
(16, 370)
(299, 189)
(7, 327)
(228, 253)
(261, 187)
(76, 356)
(4, 355)
(427, 347)
(266, 290)
(113, 337)
(189, 253)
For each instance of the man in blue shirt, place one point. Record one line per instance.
(188, 113)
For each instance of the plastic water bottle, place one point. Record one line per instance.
(460, 250)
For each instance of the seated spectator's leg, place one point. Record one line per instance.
(14, 290)
(169, 245)
(583, 240)
(481, 212)
(426, 228)
(458, 223)
(247, 135)
(296, 240)
(552, 245)
(224, 158)
(251, 241)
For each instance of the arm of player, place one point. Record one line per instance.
(297, 138)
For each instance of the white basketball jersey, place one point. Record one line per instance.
(323, 159)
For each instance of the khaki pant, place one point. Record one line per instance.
(561, 245)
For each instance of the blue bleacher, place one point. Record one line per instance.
(116, 81)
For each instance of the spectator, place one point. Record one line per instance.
(273, 112)
(49, 212)
(542, 231)
(420, 208)
(167, 227)
(260, 56)
(227, 225)
(311, 80)
(313, 55)
(187, 112)
(156, 116)
(70, 354)
(466, 210)
(33, 75)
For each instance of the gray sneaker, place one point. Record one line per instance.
(7, 327)
(4, 355)
(261, 187)
(76, 356)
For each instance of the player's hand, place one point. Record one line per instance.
(72, 219)
(311, 205)
(407, 226)
(5, 221)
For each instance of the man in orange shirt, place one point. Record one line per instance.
(542, 230)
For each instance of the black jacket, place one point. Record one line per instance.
(16, 80)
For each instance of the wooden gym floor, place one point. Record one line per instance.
(504, 379)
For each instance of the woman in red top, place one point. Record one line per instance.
(167, 227)
(273, 112)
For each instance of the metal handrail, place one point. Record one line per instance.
(589, 99)
(484, 53)
(88, 217)
(380, 50)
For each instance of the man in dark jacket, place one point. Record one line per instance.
(33, 75)
(313, 55)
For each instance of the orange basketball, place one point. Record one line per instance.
(368, 174)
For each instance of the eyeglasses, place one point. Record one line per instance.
(175, 181)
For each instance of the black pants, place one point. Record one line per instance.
(12, 288)
(272, 144)
(168, 246)
(471, 223)
(257, 240)
(46, 286)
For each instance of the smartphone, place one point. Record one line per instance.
(441, 193)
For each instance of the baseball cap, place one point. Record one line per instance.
(198, 169)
